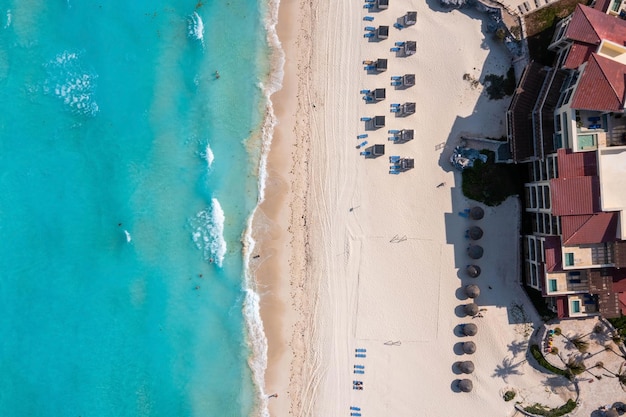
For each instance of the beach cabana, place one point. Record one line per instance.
(472, 290)
(379, 94)
(409, 19)
(382, 32)
(404, 164)
(382, 4)
(471, 309)
(381, 64)
(378, 122)
(408, 48)
(470, 329)
(473, 270)
(408, 80)
(466, 385)
(475, 233)
(374, 151)
(467, 367)
(406, 109)
(475, 251)
(469, 348)
(476, 213)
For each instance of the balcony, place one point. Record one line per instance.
(559, 283)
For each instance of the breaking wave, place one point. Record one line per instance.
(208, 232)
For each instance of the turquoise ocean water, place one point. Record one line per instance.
(128, 172)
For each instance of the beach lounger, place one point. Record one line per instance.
(368, 98)
(369, 35)
(357, 388)
(394, 105)
(369, 67)
(395, 49)
(394, 172)
(360, 350)
(365, 91)
(369, 18)
(362, 144)
(394, 131)
(396, 77)
(395, 109)
(353, 408)
(398, 26)
(370, 1)
(359, 371)
(370, 28)
(393, 159)
(366, 119)
(362, 136)
(364, 153)
(396, 83)
(359, 366)
(355, 414)
(368, 6)
(393, 138)
(399, 43)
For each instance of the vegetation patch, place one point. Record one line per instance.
(509, 395)
(488, 182)
(536, 352)
(500, 86)
(620, 325)
(542, 410)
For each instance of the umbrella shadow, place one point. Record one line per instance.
(460, 311)
(458, 347)
(454, 385)
(455, 368)
(460, 294)
(508, 368)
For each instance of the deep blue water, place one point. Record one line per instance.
(121, 270)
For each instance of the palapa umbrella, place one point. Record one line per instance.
(473, 271)
(475, 233)
(611, 413)
(470, 329)
(472, 290)
(471, 309)
(475, 251)
(476, 213)
(466, 385)
(469, 348)
(467, 367)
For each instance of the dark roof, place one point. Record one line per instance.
(609, 305)
(562, 309)
(410, 18)
(591, 26)
(407, 134)
(378, 149)
(410, 47)
(599, 281)
(543, 113)
(619, 254)
(379, 93)
(553, 254)
(381, 63)
(408, 108)
(589, 228)
(379, 120)
(519, 115)
(407, 163)
(408, 79)
(576, 164)
(601, 86)
(383, 31)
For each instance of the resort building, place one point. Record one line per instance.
(567, 124)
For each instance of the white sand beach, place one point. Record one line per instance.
(353, 257)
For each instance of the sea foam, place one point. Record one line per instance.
(9, 19)
(257, 339)
(208, 156)
(208, 232)
(195, 27)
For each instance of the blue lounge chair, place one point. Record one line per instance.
(360, 350)
(365, 91)
(394, 131)
(394, 105)
(399, 43)
(370, 28)
(368, 98)
(366, 119)
(398, 26)
(394, 172)
(393, 159)
(369, 35)
(362, 136)
(369, 67)
(359, 371)
(364, 153)
(369, 18)
(368, 6)
(393, 138)
(362, 144)
(396, 77)
(353, 408)
(359, 366)
(396, 83)
(395, 49)
(355, 414)
(394, 109)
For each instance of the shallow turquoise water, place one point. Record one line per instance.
(120, 281)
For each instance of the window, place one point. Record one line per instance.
(576, 306)
(569, 259)
(552, 285)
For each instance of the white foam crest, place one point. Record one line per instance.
(208, 232)
(257, 339)
(208, 156)
(195, 27)
(71, 83)
(9, 19)
(128, 236)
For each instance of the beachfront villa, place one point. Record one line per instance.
(567, 124)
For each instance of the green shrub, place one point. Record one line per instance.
(536, 352)
(509, 395)
(557, 331)
(542, 410)
(489, 183)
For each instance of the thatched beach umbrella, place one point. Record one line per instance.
(475, 233)
(473, 270)
(476, 213)
(472, 290)
(471, 309)
(470, 329)
(475, 251)
(611, 413)
(467, 367)
(466, 385)
(469, 348)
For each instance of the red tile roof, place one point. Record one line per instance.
(602, 5)
(576, 164)
(552, 253)
(601, 86)
(578, 53)
(591, 26)
(574, 196)
(589, 228)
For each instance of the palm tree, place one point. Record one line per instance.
(580, 344)
(576, 366)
